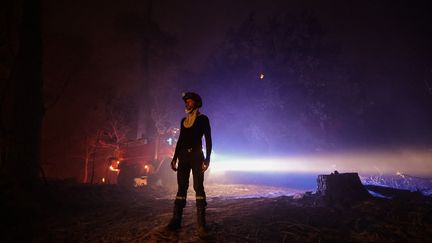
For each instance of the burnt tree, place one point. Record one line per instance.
(341, 188)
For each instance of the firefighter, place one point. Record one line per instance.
(191, 157)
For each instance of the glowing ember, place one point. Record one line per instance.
(113, 169)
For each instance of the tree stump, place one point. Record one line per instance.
(341, 188)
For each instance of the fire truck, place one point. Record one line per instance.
(142, 162)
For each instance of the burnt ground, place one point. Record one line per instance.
(107, 213)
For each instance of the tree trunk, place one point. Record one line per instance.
(86, 161)
(22, 164)
(341, 188)
(93, 165)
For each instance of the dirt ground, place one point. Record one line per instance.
(236, 213)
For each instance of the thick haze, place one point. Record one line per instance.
(337, 76)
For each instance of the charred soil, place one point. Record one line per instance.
(107, 213)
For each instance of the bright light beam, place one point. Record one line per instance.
(414, 162)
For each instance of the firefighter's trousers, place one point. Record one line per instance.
(190, 160)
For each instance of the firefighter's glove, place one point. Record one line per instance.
(174, 165)
(205, 166)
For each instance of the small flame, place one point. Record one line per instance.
(103, 180)
(113, 169)
(261, 76)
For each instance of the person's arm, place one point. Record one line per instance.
(177, 149)
(208, 140)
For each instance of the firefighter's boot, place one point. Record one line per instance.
(202, 228)
(175, 222)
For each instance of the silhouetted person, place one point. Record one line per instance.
(190, 157)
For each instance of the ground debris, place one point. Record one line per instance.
(106, 213)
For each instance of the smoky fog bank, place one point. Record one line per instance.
(295, 79)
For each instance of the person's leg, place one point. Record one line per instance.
(198, 183)
(183, 173)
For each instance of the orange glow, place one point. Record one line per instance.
(113, 169)
(103, 180)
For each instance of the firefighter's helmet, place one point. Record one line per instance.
(194, 96)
